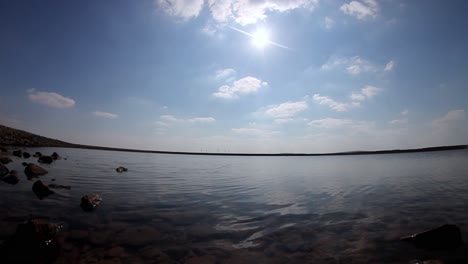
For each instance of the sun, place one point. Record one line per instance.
(261, 38)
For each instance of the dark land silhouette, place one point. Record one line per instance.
(11, 137)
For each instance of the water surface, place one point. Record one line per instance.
(225, 209)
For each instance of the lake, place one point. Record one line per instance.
(232, 209)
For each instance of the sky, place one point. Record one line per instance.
(237, 75)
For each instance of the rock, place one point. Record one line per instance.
(12, 178)
(33, 170)
(24, 164)
(121, 169)
(3, 149)
(45, 159)
(37, 155)
(443, 237)
(17, 153)
(52, 179)
(5, 160)
(26, 155)
(58, 186)
(90, 201)
(41, 190)
(3, 170)
(55, 156)
(34, 242)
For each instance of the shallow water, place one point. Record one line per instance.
(216, 209)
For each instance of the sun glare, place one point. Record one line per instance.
(261, 38)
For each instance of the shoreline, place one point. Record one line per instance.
(12, 137)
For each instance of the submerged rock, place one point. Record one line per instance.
(34, 242)
(26, 155)
(121, 169)
(55, 156)
(37, 155)
(58, 186)
(17, 153)
(3, 170)
(45, 159)
(41, 190)
(90, 201)
(33, 170)
(443, 237)
(11, 178)
(5, 160)
(3, 149)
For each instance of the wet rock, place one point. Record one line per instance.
(24, 164)
(17, 153)
(121, 169)
(116, 252)
(90, 201)
(5, 160)
(3, 170)
(55, 156)
(37, 155)
(443, 237)
(41, 190)
(26, 155)
(34, 242)
(430, 261)
(58, 186)
(45, 159)
(11, 178)
(3, 149)
(33, 170)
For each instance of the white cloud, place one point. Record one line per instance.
(242, 86)
(281, 121)
(169, 118)
(405, 112)
(50, 99)
(105, 114)
(330, 123)
(389, 66)
(328, 22)
(162, 124)
(353, 65)
(181, 8)
(225, 74)
(247, 131)
(365, 93)
(202, 120)
(356, 96)
(399, 121)
(370, 91)
(339, 107)
(285, 110)
(452, 117)
(247, 12)
(244, 12)
(361, 9)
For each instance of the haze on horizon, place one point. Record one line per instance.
(237, 75)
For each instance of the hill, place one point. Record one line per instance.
(15, 137)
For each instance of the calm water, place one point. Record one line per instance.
(208, 209)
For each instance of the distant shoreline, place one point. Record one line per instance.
(378, 152)
(17, 138)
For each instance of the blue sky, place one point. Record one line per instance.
(237, 75)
